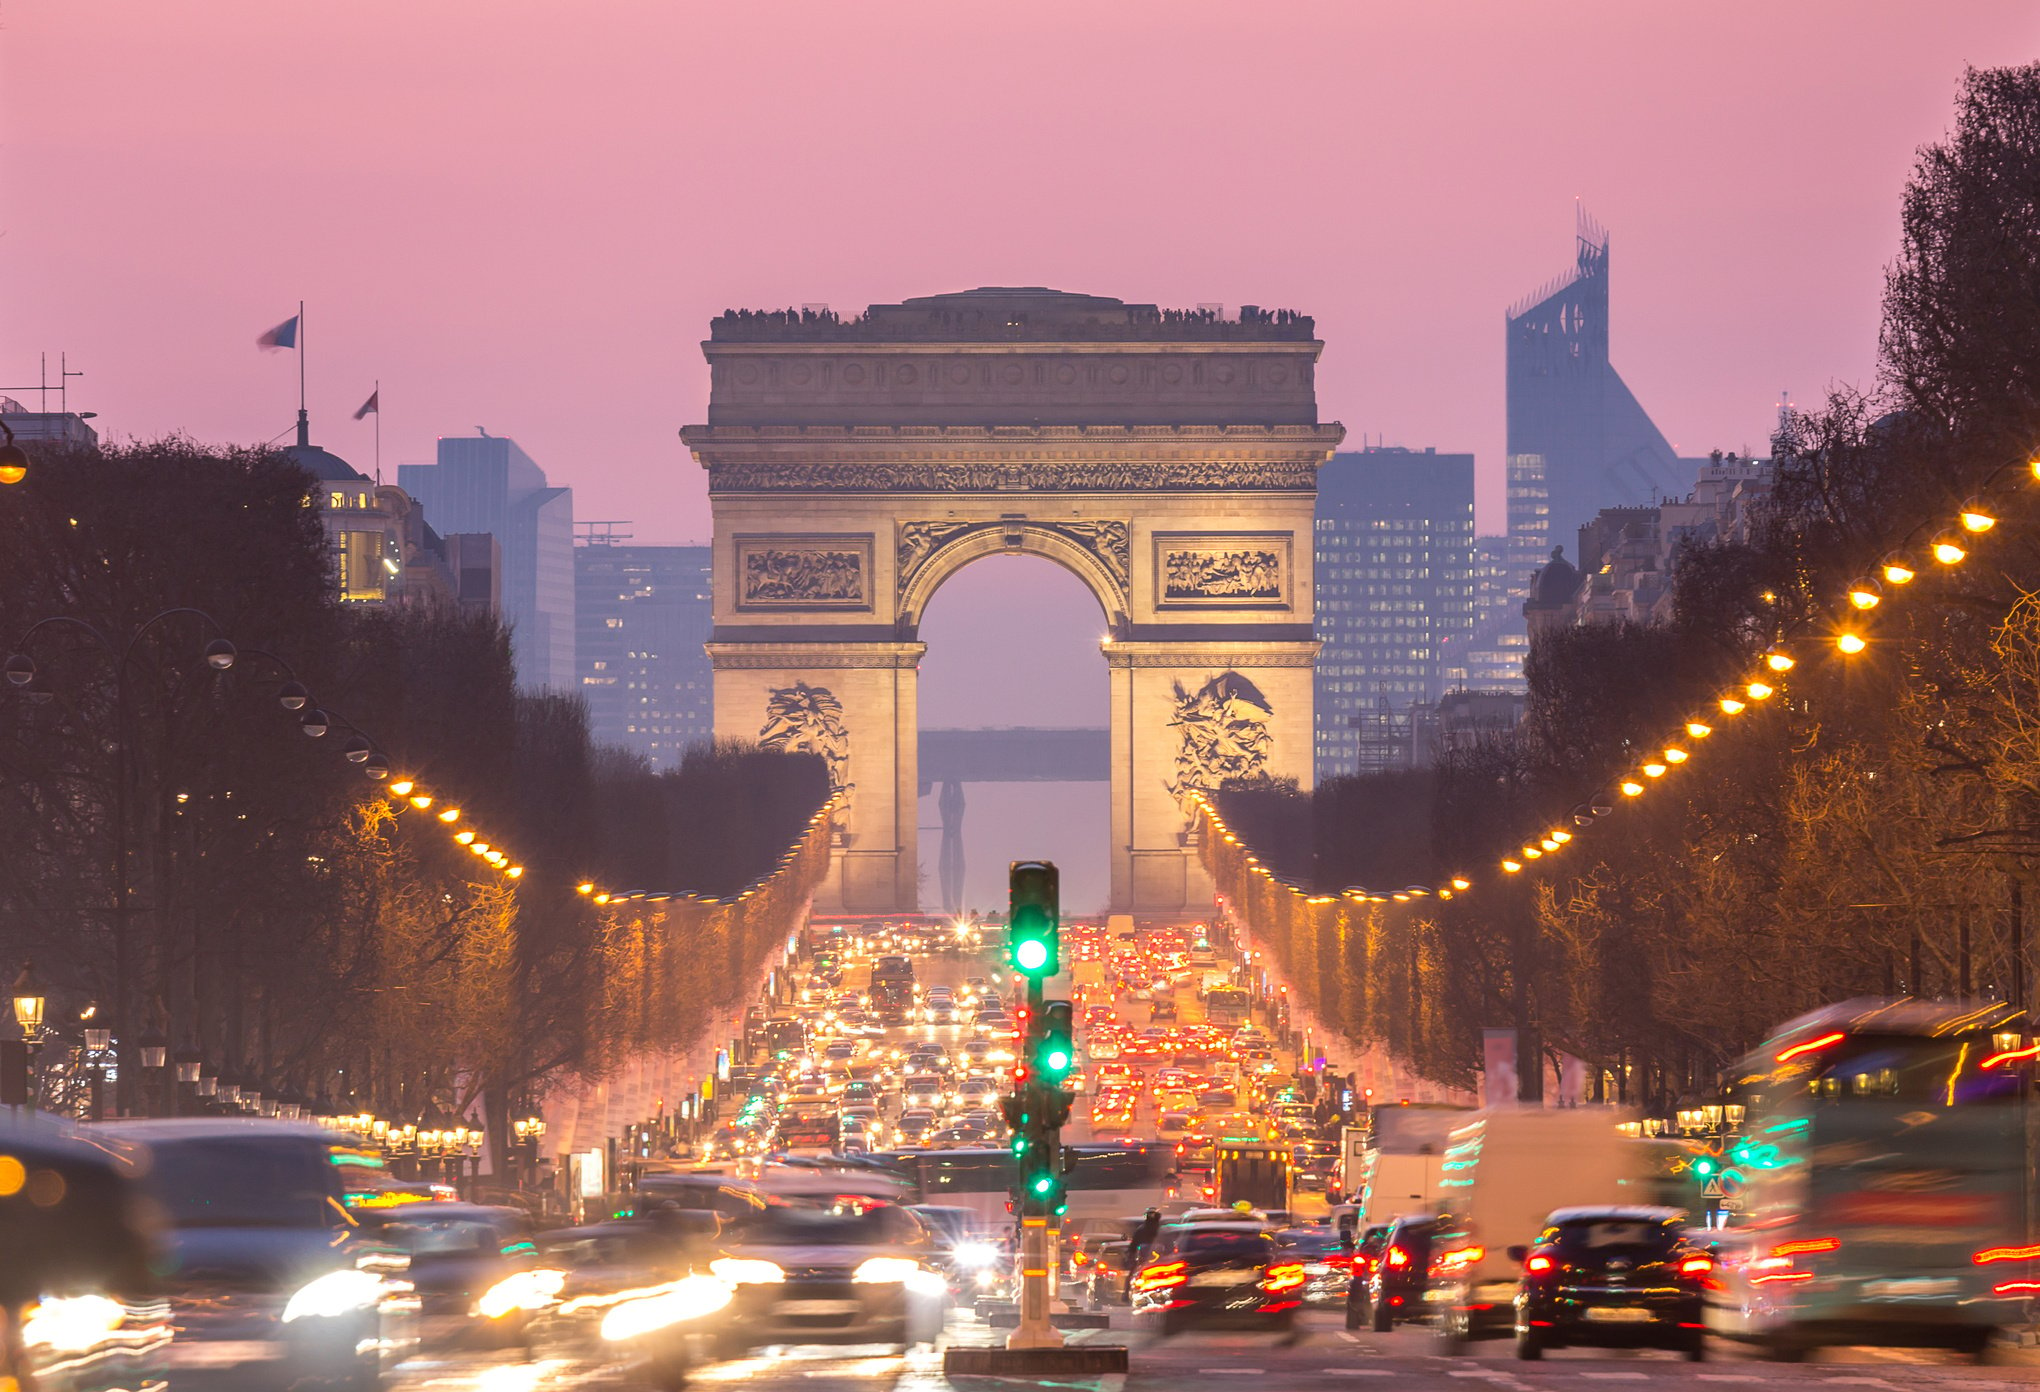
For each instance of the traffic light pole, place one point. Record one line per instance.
(1037, 1253)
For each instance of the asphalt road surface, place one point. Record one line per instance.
(1321, 1356)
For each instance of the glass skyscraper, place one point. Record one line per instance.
(642, 615)
(1394, 555)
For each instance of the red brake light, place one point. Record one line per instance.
(1695, 1266)
(1806, 1244)
(2003, 1254)
(1539, 1264)
(1398, 1257)
(1162, 1276)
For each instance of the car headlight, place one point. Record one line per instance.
(972, 1255)
(885, 1270)
(748, 1271)
(689, 1298)
(334, 1294)
(71, 1323)
(521, 1290)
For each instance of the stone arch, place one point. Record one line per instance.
(1081, 555)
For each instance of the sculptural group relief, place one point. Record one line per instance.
(1246, 570)
(792, 573)
(809, 719)
(1222, 735)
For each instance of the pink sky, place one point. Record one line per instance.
(521, 215)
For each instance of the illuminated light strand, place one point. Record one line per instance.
(1811, 1045)
(597, 894)
(1896, 569)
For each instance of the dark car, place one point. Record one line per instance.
(631, 1289)
(1326, 1262)
(76, 1283)
(1612, 1278)
(476, 1271)
(1362, 1258)
(850, 1272)
(1217, 1274)
(1396, 1285)
(267, 1272)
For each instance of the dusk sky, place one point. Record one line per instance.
(522, 215)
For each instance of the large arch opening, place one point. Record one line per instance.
(1013, 648)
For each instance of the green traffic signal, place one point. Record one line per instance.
(1054, 1046)
(1032, 921)
(1704, 1167)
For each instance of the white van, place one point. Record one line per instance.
(1505, 1172)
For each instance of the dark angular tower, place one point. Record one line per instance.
(1578, 439)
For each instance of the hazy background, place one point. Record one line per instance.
(522, 215)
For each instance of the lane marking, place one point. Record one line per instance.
(1615, 1377)
(1357, 1372)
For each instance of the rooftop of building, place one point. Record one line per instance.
(325, 465)
(994, 313)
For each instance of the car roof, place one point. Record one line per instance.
(1637, 1213)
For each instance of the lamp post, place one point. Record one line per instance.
(19, 1055)
(218, 654)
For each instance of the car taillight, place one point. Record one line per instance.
(1539, 1264)
(1461, 1258)
(1162, 1277)
(1398, 1258)
(1283, 1276)
(1696, 1266)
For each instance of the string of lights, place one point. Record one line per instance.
(1950, 546)
(602, 895)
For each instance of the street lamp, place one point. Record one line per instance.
(13, 459)
(28, 1013)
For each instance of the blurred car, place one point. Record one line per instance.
(848, 1272)
(1327, 1264)
(1106, 1278)
(266, 1271)
(1615, 1277)
(1397, 1282)
(631, 1291)
(476, 1271)
(77, 1288)
(1362, 1258)
(1216, 1274)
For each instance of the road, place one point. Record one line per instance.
(1323, 1356)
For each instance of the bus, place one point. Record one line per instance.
(1880, 1170)
(1229, 1006)
(1106, 1181)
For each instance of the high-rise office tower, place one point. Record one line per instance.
(642, 614)
(1579, 441)
(487, 484)
(1394, 555)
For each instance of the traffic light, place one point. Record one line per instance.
(1055, 1048)
(1032, 920)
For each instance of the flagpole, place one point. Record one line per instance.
(378, 432)
(304, 421)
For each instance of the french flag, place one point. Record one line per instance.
(284, 335)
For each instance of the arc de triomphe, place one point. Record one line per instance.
(1168, 459)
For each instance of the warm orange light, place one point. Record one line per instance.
(421, 801)
(1631, 788)
(402, 787)
(1731, 706)
(1850, 643)
(1461, 884)
(1561, 837)
(601, 898)
(1531, 853)
(466, 838)
(1807, 1244)
(1511, 866)
(450, 815)
(585, 887)
(2004, 1254)
(1697, 730)
(1899, 573)
(1653, 770)
(514, 871)
(1810, 1046)
(1947, 552)
(1975, 519)
(1779, 662)
(2009, 1055)
(1759, 691)
(1675, 756)
(1862, 596)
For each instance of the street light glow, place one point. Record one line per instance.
(1631, 788)
(1779, 662)
(1851, 643)
(1948, 552)
(1698, 730)
(1731, 706)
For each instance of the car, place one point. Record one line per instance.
(1612, 1277)
(263, 1261)
(1217, 1273)
(1398, 1281)
(476, 1271)
(914, 1125)
(1172, 1126)
(1327, 1264)
(850, 1271)
(78, 1278)
(1364, 1255)
(630, 1288)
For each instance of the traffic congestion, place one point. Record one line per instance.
(848, 1212)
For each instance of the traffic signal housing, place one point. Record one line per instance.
(1033, 919)
(1054, 1045)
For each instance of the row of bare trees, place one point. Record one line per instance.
(1873, 828)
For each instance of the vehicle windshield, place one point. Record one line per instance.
(242, 1181)
(456, 1236)
(1595, 1236)
(1906, 1068)
(1309, 1241)
(849, 1225)
(1245, 1245)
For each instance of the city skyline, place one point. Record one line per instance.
(593, 369)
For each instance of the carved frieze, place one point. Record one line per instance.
(1034, 477)
(1109, 541)
(804, 572)
(1222, 570)
(809, 719)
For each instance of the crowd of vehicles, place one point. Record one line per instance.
(856, 1189)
